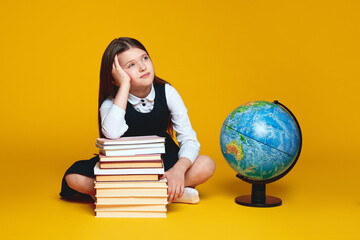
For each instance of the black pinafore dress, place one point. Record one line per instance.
(140, 124)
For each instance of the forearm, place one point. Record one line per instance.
(182, 165)
(122, 96)
(112, 112)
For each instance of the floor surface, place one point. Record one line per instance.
(315, 206)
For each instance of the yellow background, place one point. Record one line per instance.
(218, 55)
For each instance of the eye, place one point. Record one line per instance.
(131, 65)
(145, 58)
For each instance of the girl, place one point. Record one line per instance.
(133, 101)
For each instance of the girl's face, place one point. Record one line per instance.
(137, 64)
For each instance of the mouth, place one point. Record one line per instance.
(145, 75)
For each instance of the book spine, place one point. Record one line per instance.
(132, 152)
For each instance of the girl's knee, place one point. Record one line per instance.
(73, 180)
(207, 165)
(80, 183)
(211, 166)
(69, 178)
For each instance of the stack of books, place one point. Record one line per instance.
(127, 177)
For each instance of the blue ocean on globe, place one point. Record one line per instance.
(260, 140)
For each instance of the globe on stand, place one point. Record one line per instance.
(262, 142)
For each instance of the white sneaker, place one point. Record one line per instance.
(191, 196)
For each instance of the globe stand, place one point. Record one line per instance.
(258, 197)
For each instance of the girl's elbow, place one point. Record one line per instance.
(114, 132)
(111, 135)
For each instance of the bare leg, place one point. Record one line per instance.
(201, 170)
(81, 183)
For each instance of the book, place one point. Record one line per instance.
(131, 214)
(107, 165)
(136, 177)
(133, 158)
(129, 146)
(127, 178)
(140, 157)
(132, 200)
(131, 140)
(129, 152)
(149, 184)
(127, 171)
(128, 192)
(131, 208)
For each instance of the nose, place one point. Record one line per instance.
(142, 66)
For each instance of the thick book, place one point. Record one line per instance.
(130, 152)
(129, 146)
(131, 214)
(128, 192)
(132, 200)
(149, 184)
(131, 208)
(98, 171)
(134, 158)
(127, 178)
(148, 164)
(131, 140)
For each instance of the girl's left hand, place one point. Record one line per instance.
(176, 183)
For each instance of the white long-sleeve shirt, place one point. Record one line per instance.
(113, 124)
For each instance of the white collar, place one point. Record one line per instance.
(135, 100)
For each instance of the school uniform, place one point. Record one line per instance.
(148, 116)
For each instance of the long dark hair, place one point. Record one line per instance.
(107, 88)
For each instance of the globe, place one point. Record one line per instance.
(261, 141)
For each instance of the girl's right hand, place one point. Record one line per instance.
(119, 75)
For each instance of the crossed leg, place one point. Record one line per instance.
(81, 183)
(201, 170)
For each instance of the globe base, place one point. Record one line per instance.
(270, 201)
(258, 198)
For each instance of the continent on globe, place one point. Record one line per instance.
(234, 148)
